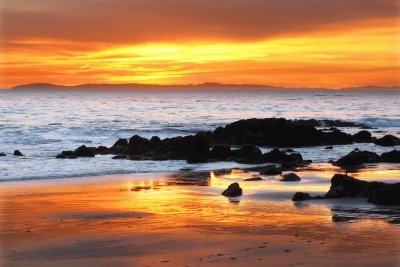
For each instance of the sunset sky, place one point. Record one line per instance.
(293, 43)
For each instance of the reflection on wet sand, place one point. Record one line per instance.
(150, 219)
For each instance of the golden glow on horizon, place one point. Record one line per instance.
(355, 58)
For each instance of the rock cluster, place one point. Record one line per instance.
(347, 186)
(246, 134)
(81, 151)
(357, 157)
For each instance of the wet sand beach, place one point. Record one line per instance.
(157, 220)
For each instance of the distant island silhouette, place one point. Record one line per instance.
(202, 86)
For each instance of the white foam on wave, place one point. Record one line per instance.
(380, 122)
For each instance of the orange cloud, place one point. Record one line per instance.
(139, 21)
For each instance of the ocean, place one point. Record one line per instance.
(42, 123)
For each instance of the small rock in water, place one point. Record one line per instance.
(18, 153)
(271, 170)
(388, 140)
(233, 190)
(290, 177)
(2, 154)
(357, 157)
(300, 196)
(329, 147)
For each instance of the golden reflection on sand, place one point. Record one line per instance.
(149, 207)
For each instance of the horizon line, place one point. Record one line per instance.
(125, 86)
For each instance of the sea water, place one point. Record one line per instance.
(42, 123)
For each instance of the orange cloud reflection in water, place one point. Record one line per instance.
(147, 207)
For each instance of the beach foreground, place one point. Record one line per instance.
(153, 220)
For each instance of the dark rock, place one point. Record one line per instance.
(277, 132)
(155, 140)
(290, 177)
(388, 140)
(357, 158)
(253, 179)
(300, 196)
(68, 154)
(346, 186)
(2, 154)
(392, 156)
(247, 151)
(120, 157)
(279, 156)
(362, 136)
(247, 154)
(83, 151)
(245, 133)
(138, 145)
(121, 143)
(18, 153)
(269, 170)
(220, 152)
(233, 190)
(102, 150)
(386, 194)
(196, 158)
(377, 192)
(184, 147)
(329, 147)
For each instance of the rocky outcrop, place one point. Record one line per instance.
(290, 177)
(357, 157)
(220, 152)
(82, 151)
(344, 186)
(247, 134)
(362, 137)
(233, 190)
(18, 153)
(278, 132)
(392, 156)
(267, 169)
(377, 192)
(119, 146)
(247, 154)
(385, 194)
(279, 156)
(2, 154)
(388, 140)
